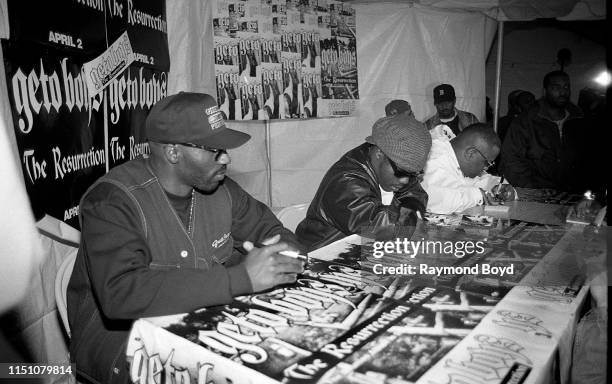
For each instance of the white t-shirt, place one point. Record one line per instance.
(385, 196)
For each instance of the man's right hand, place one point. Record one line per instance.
(267, 268)
(486, 197)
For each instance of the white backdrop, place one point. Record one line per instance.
(403, 51)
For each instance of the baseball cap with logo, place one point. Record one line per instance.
(191, 118)
(402, 139)
(444, 92)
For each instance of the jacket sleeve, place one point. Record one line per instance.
(117, 261)
(413, 196)
(515, 165)
(472, 118)
(350, 203)
(252, 220)
(447, 193)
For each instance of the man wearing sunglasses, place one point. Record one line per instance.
(373, 186)
(455, 175)
(169, 233)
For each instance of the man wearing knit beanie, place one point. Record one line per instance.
(373, 186)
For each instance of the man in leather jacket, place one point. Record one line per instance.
(373, 186)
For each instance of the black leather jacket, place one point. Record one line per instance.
(349, 201)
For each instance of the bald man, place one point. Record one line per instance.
(455, 174)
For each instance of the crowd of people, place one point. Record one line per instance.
(169, 232)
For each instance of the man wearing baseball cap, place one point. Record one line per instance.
(452, 119)
(374, 185)
(168, 233)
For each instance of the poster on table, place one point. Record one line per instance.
(68, 136)
(338, 324)
(273, 336)
(285, 59)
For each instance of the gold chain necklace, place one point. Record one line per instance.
(191, 210)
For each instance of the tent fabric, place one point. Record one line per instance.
(403, 51)
(35, 321)
(518, 10)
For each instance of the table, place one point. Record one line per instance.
(339, 324)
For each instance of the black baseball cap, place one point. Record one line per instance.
(444, 92)
(188, 117)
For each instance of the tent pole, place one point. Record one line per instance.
(269, 162)
(498, 66)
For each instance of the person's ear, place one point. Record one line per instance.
(172, 153)
(379, 153)
(469, 152)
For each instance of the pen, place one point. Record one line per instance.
(294, 255)
(498, 196)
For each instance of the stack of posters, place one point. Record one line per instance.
(285, 59)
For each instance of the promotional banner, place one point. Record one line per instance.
(145, 23)
(59, 127)
(285, 59)
(68, 135)
(70, 25)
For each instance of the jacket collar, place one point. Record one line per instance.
(544, 113)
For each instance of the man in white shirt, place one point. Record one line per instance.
(455, 174)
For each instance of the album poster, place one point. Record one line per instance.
(66, 137)
(273, 336)
(313, 42)
(227, 80)
(404, 351)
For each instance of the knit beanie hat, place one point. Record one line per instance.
(402, 139)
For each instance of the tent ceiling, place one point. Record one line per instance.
(506, 10)
(594, 30)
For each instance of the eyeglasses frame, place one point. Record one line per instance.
(217, 151)
(489, 162)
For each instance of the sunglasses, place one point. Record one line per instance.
(489, 163)
(400, 173)
(218, 152)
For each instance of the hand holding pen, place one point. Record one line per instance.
(272, 264)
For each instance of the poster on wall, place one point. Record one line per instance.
(295, 58)
(59, 126)
(67, 137)
(76, 26)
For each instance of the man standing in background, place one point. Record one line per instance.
(545, 147)
(398, 106)
(446, 113)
